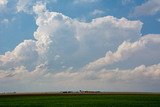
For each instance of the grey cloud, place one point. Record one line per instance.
(151, 7)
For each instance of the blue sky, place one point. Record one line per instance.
(25, 22)
(109, 45)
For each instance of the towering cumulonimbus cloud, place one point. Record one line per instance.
(66, 52)
(59, 35)
(60, 43)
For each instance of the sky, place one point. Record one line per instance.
(57, 45)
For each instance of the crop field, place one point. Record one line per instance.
(80, 100)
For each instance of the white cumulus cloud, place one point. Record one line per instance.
(26, 5)
(127, 49)
(66, 53)
(60, 35)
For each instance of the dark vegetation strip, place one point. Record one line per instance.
(77, 94)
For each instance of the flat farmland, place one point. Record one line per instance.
(81, 100)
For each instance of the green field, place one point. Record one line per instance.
(81, 101)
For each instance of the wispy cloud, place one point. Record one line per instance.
(158, 20)
(84, 1)
(97, 12)
(3, 4)
(125, 2)
(150, 7)
(5, 21)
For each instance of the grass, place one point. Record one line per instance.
(81, 101)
